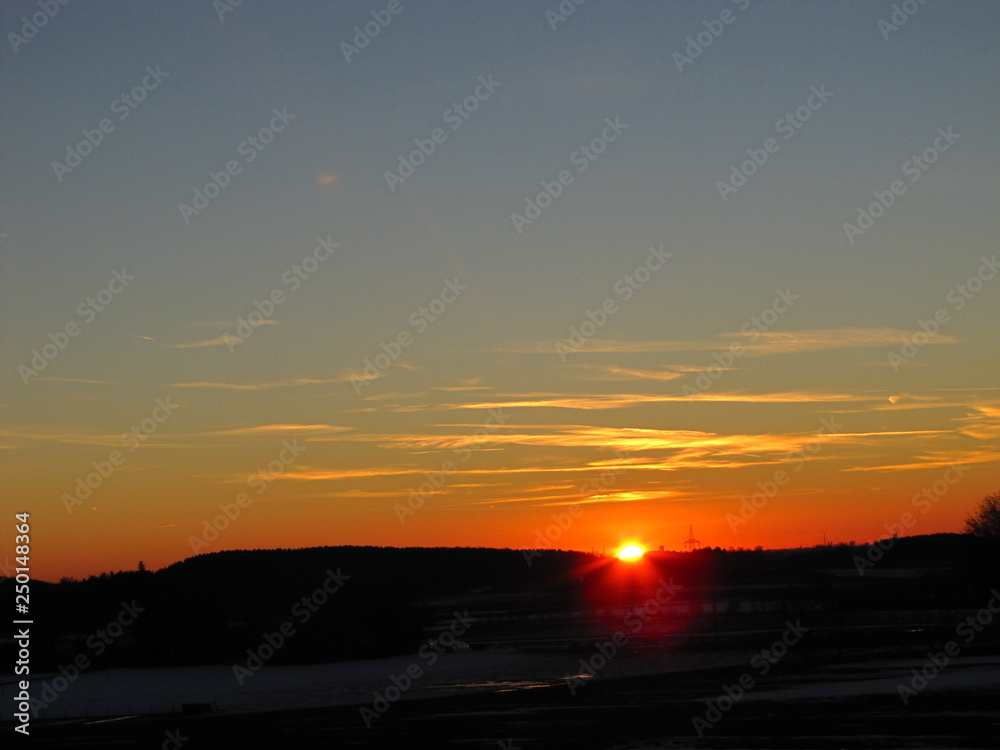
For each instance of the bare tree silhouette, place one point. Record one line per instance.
(985, 520)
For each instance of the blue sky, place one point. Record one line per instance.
(656, 184)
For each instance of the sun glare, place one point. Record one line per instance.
(631, 552)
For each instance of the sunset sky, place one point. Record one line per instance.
(615, 285)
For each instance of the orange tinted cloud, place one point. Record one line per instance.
(615, 372)
(938, 459)
(624, 400)
(280, 429)
(983, 423)
(223, 340)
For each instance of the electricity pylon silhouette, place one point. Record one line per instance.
(691, 544)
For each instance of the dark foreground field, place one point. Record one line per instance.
(510, 655)
(820, 704)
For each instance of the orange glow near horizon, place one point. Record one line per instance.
(159, 533)
(422, 477)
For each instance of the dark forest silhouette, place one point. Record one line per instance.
(211, 608)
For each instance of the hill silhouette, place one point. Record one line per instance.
(213, 607)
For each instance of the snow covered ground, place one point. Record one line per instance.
(135, 691)
(883, 677)
(162, 690)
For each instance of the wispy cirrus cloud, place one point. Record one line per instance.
(550, 496)
(983, 423)
(906, 401)
(782, 342)
(223, 340)
(625, 400)
(22, 436)
(368, 373)
(755, 343)
(85, 381)
(320, 474)
(281, 429)
(616, 372)
(937, 460)
(571, 497)
(19, 436)
(261, 386)
(646, 454)
(676, 448)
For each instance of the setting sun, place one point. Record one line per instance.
(631, 552)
